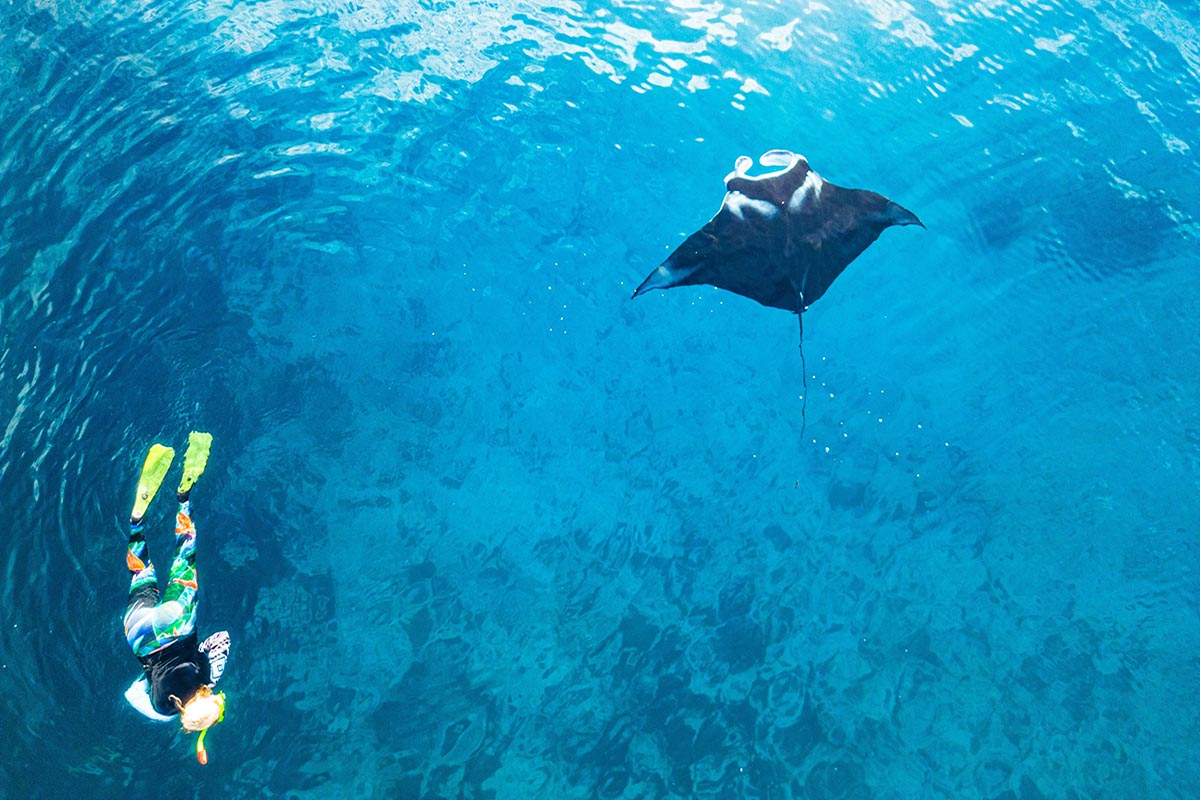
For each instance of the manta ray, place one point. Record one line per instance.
(781, 238)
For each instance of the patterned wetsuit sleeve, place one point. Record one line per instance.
(216, 649)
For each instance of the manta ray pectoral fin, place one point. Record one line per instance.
(896, 214)
(660, 278)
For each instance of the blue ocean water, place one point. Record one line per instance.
(480, 525)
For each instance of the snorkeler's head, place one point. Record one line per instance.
(202, 710)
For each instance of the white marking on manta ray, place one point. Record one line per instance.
(779, 158)
(739, 204)
(773, 158)
(807, 193)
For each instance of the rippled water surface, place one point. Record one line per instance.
(480, 525)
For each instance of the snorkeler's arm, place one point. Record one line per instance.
(216, 650)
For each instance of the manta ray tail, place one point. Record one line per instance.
(803, 368)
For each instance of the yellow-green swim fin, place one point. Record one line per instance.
(158, 461)
(195, 459)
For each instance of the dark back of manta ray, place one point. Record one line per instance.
(781, 238)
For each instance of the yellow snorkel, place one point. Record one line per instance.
(201, 753)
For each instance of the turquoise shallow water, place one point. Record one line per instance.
(480, 525)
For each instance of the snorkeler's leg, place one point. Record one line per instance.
(143, 584)
(151, 623)
(182, 587)
(143, 592)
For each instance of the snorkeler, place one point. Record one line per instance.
(179, 673)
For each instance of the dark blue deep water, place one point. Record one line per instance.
(480, 525)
